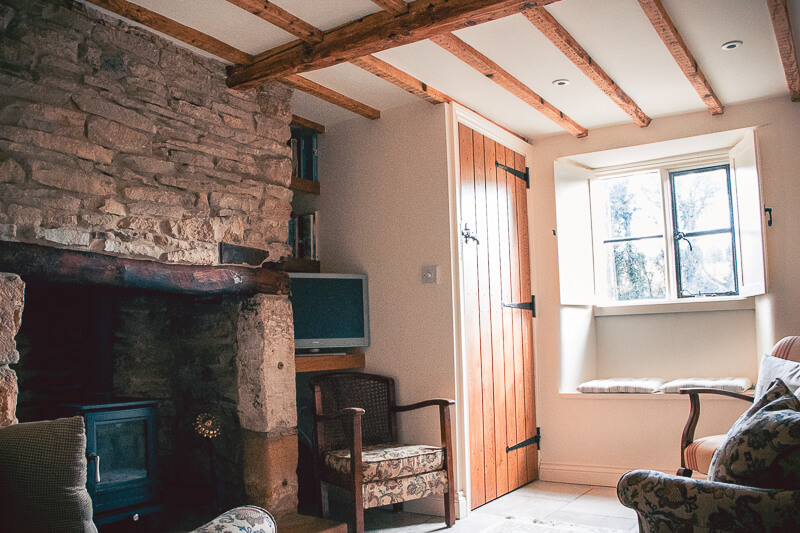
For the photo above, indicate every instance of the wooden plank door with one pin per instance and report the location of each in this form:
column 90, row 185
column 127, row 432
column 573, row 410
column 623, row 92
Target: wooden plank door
column 498, row 338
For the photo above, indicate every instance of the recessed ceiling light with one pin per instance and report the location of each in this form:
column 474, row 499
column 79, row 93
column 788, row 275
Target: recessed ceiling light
column 560, row 83
column 732, row 45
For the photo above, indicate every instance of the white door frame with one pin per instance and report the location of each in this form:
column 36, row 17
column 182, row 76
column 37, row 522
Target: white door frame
column 455, row 114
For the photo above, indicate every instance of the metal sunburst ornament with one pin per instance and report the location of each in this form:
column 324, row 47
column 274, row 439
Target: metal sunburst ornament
column 207, row 425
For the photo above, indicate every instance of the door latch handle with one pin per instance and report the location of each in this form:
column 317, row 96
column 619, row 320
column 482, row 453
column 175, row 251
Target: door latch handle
column 467, row 234
column 96, row 458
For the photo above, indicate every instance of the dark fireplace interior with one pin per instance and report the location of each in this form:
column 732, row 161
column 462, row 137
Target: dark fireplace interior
column 94, row 345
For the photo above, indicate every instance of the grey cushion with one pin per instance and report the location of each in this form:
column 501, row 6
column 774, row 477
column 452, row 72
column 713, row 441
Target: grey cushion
column 762, row 449
column 43, row 477
column 772, row 368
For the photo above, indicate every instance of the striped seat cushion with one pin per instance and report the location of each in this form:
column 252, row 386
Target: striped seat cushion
column 621, row 385
column 699, row 453
column 728, row 384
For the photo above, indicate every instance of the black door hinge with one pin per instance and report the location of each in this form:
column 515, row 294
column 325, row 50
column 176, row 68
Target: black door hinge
column 528, row 306
column 537, row 439
column 525, row 176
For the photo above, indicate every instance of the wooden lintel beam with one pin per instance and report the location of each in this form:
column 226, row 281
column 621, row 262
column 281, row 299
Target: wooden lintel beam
column 307, row 86
column 561, row 38
column 779, row 13
column 174, row 29
column 308, row 124
column 281, row 18
column 494, row 72
column 663, row 25
column 392, row 6
column 56, row 265
column 402, row 79
column 371, row 34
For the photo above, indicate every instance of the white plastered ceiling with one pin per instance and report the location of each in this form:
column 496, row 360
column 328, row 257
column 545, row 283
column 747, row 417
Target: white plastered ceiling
column 615, row 33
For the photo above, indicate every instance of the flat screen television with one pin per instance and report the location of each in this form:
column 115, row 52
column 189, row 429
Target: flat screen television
column 330, row 310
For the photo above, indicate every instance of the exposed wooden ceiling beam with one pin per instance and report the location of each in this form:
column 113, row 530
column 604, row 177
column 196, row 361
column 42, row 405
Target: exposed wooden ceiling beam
column 494, row 72
column 779, row 13
column 371, row 34
column 663, row 25
column 307, row 86
column 281, row 18
column 392, row 6
column 561, row 38
column 174, row 29
column 402, row 79
column 306, row 123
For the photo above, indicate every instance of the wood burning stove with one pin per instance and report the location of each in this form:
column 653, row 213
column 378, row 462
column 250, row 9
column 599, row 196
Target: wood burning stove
column 121, row 450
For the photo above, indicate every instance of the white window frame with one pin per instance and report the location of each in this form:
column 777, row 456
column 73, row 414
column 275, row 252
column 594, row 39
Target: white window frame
column 579, row 274
column 664, row 169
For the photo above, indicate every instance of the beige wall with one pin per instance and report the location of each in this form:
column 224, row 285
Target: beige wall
column 606, row 436
column 384, row 211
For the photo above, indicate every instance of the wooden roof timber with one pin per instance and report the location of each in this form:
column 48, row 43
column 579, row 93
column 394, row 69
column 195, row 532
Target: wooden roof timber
column 304, row 84
column 174, row 29
column 561, row 38
column 396, row 7
column 281, row 18
column 663, row 25
column 402, row 79
column 371, row 34
column 213, row 46
column 494, row 72
column 779, row 13
column 416, row 87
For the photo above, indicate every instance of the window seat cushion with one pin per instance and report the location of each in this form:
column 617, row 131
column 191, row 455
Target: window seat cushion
column 728, row 384
column 621, row 385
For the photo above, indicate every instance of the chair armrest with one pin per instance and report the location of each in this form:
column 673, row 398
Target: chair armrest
column 245, row 518
column 720, row 392
column 673, row 503
column 687, row 437
column 348, row 412
column 427, row 403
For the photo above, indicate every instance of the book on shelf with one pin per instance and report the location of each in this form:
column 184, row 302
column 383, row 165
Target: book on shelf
column 303, row 236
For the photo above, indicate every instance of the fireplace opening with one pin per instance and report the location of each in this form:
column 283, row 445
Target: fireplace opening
column 85, row 348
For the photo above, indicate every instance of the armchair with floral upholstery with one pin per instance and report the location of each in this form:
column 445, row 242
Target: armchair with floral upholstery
column 753, row 484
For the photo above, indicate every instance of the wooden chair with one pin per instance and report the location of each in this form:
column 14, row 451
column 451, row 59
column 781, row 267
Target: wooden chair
column 696, row 454
column 356, row 446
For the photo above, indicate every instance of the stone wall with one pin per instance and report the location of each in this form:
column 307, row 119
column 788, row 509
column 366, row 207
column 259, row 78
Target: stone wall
column 12, row 291
column 115, row 140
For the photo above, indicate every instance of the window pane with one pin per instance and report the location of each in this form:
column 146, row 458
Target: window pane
column 707, row 267
column 633, row 206
column 636, row 270
column 701, row 200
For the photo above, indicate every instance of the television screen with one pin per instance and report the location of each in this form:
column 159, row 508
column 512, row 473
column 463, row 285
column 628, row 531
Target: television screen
column 330, row 310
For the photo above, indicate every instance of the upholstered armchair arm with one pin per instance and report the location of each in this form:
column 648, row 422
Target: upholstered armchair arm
column 687, row 437
column 246, row 518
column 667, row 503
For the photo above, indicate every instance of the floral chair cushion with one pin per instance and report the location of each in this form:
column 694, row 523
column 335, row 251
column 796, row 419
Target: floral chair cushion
column 389, row 461
column 388, row 491
column 248, row 518
column 762, row 449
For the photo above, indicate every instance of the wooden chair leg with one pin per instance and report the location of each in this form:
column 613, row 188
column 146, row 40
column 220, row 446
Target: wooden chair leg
column 450, row 508
column 358, row 513
column 324, row 503
column 684, row 472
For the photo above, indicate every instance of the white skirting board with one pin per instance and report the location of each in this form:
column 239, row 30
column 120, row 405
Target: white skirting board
column 603, row 476
column 434, row 505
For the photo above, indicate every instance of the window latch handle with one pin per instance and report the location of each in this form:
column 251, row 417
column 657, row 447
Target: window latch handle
column 682, row 236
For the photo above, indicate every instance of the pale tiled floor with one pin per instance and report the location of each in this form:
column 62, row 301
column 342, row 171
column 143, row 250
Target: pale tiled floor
column 584, row 505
